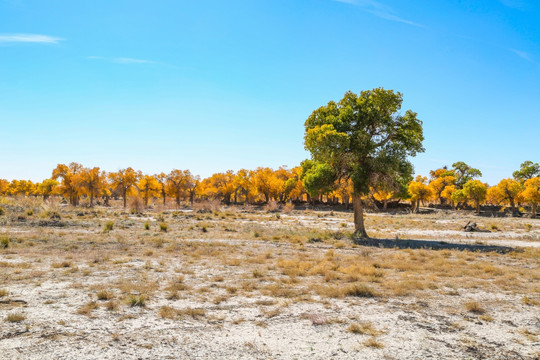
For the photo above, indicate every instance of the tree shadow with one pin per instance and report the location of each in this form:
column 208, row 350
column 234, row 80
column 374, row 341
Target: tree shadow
column 432, row 245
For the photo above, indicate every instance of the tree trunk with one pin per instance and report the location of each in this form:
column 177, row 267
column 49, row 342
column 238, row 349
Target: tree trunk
column 125, row 198
column 513, row 205
column 533, row 215
column 477, row 207
column 359, row 229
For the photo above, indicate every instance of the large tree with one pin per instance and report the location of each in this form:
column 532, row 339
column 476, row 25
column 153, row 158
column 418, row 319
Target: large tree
column 364, row 137
column 123, row 181
column 464, row 173
column 527, row 170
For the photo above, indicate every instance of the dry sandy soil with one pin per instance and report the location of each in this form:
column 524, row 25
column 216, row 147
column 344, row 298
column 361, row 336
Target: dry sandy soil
column 242, row 283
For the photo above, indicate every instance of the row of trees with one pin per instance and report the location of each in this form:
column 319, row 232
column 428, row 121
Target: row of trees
column 456, row 186
column 74, row 181
column 459, row 186
column 360, row 148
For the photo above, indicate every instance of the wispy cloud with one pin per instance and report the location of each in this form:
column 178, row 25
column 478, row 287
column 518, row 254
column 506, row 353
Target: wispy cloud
column 29, row 38
column 380, row 10
column 522, row 54
column 132, row 61
column 123, row 60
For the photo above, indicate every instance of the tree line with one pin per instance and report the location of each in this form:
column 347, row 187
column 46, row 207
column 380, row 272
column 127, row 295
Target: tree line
column 457, row 187
column 360, row 148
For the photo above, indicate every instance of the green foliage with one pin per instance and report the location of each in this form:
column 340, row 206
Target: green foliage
column 163, row 227
column 363, row 137
column 528, row 170
column 4, row 242
column 109, row 225
column 318, row 177
column 476, row 191
column 464, row 173
column 459, row 196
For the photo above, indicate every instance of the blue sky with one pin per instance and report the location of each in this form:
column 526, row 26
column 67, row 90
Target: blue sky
column 217, row 85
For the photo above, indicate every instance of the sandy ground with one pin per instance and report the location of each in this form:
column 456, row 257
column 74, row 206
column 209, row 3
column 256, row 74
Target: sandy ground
column 430, row 324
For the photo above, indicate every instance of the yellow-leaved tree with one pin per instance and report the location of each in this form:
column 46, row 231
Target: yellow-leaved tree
column 162, row 180
column 67, row 188
column 149, row 187
column 123, row 182
column 47, row 187
column 476, row 191
column 506, row 192
column 531, row 194
column 419, row 191
column 441, row 179
column 89, row 182
column 220, row 185
column 181, row 184
column 4, row 185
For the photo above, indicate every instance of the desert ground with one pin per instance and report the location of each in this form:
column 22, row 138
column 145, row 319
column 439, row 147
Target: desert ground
column 243, row 282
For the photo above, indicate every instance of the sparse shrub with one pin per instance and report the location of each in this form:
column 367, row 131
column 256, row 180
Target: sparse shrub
column 528, row 227
column 531, row 302
column 207, row 206
column 147, row 225
column 112, row 305
column 167, row 312
column 364, row 328
column 372, row 342
column 136, row 205
column 158, row 243
column 4, row 242
column 3, row 292
column 63, row 264
column 109, row 225
column 29, row 212
column 494, row 227
column 87, row 308
column 288, row 208
column 136, row 300
column 104, row 295
column 192, row 312
column 163, row 227
column 360, row 290
column 2, row 211
column 15, row 317
column 204, row 228
column 272, row 206
column 474, row 307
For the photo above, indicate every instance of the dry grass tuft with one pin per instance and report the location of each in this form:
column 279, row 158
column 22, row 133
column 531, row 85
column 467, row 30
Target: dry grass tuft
column 87, row 308
column 167, row 312
column 474, row 307
column 372, row 342
column 136, row 300
column 194, row 313
column 63, row 264
column 105, row 295
column 15, row 317
column 364, row 328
